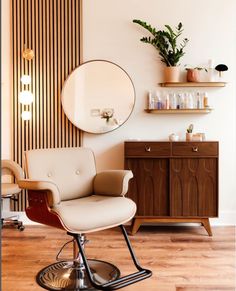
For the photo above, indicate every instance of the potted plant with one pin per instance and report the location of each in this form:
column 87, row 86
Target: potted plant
column 189, row 133
column 165, row 42
column 193, row 74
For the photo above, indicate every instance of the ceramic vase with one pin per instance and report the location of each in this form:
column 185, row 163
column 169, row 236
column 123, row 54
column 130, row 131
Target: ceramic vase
column 171, row 74
column 189, row 136
column 193, row 75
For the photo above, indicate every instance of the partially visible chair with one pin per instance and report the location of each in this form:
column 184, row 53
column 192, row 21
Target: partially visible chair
column 65, row 191
column 11, row 191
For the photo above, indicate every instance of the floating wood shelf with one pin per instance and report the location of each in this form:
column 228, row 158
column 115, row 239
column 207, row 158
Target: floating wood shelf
column 193, row 84
column 179, row 111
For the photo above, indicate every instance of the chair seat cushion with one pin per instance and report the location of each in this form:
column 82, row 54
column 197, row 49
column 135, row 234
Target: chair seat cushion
column 94, row 213
column 9, row 189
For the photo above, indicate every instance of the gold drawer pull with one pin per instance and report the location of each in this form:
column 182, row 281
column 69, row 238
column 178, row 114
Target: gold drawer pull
column 195, row 149
column 147, row 148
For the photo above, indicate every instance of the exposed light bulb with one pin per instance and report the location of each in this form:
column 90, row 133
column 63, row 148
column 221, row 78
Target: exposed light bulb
column 26, row 97
column 26, row 115
column 25, row 79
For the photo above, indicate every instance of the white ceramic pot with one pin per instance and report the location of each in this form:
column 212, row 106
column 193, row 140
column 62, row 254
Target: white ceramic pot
column 173, row 137
column 171, row 74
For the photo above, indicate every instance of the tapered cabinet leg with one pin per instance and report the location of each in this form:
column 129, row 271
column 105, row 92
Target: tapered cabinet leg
column 207, row 226
column 136, row 224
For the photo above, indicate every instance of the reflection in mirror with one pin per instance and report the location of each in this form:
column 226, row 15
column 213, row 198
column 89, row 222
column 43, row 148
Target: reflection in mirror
column 98, row 96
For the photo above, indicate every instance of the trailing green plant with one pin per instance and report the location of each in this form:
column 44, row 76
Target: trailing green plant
column 165, row 41
column 190, row 128
column 196, row 68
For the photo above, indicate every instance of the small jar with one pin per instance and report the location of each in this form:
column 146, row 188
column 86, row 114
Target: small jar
column 189, row 136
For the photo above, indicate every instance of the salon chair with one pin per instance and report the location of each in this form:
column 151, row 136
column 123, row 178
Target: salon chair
column 66, row 192
column 11, row 191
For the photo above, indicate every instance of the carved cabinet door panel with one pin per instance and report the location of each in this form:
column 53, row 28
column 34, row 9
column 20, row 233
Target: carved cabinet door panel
column 150, row 186
column 193, row 187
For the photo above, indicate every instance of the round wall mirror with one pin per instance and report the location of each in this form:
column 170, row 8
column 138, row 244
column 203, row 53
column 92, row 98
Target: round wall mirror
column 98, row 96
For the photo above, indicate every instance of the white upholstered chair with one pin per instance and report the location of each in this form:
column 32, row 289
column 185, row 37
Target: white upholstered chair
column 65, row 191
column 10, row 190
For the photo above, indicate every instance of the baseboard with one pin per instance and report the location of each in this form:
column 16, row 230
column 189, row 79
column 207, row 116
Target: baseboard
column 225, row 218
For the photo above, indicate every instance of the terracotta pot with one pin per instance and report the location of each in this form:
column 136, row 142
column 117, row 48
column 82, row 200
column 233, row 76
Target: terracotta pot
column 189, row 136
column 171, row 74
column 193, row 75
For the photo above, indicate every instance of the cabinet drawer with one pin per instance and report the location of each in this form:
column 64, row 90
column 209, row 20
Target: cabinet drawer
column 195, row 149
column 147, row 149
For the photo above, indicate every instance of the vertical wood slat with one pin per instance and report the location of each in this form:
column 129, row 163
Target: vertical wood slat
column 52, row 30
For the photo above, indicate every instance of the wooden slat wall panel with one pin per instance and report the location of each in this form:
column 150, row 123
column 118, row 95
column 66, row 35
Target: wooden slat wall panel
column 52, row 29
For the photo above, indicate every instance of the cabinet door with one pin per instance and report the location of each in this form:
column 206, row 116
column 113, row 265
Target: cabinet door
column 193, row 187
column 150, row 186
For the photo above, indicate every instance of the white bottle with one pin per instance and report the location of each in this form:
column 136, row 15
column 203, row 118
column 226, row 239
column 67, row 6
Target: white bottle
column 173, row 101
column 150, row 101
column 167, row 102
column 190, row 101
column 181, row 101
column 178, row 100
column 198, row 100
column 211, row 71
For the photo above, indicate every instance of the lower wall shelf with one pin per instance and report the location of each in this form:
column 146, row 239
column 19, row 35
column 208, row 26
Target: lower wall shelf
column 179, row 111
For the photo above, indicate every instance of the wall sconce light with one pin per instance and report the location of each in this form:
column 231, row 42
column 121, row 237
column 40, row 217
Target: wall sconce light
column 25, row 79
column 26, row 115
column 25, row 97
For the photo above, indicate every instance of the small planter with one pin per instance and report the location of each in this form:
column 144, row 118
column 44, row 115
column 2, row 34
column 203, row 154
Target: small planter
column 193, row 75
column 189, row 136
column 171, row 74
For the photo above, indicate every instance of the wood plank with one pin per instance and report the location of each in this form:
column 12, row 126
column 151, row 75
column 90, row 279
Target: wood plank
column 181, row 258
column 52, row 30
column 193, row 84
column 179, row 111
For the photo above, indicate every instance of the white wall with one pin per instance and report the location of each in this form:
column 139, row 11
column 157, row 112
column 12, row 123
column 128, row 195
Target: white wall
column 110, row 34
column 211, row 28
column 6, row 99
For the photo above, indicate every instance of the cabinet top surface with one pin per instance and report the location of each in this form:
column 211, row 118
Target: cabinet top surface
column 168, row 149
column 167, row 141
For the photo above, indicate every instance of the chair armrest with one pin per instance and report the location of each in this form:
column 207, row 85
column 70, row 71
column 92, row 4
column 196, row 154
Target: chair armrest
column 112, row 182
column 53, row 193
column 14, row 168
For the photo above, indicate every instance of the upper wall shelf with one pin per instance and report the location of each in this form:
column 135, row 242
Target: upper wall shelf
column 193, row 84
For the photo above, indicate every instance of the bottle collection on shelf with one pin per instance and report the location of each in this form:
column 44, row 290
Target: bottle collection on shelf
column 186, row 100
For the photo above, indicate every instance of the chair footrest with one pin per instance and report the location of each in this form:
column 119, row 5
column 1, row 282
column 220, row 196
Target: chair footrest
column 119, row 282
column 126, row 280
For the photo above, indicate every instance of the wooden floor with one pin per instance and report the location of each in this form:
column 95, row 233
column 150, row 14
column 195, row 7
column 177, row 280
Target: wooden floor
column 181, row 258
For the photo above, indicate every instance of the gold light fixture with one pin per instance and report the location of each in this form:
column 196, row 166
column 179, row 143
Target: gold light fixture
column 28, row 54
column 25, row 96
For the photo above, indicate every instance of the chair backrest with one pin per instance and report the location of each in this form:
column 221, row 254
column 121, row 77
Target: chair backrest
column 71, row 169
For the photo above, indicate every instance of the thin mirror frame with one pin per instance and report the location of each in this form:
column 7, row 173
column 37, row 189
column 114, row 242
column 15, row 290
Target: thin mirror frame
column 82, row 65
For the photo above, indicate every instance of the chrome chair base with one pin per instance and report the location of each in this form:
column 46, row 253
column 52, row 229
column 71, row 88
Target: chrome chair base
column 66, row 275
column 10, row 221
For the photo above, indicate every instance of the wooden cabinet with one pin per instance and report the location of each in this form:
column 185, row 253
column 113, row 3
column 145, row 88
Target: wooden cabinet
column 173, row 181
